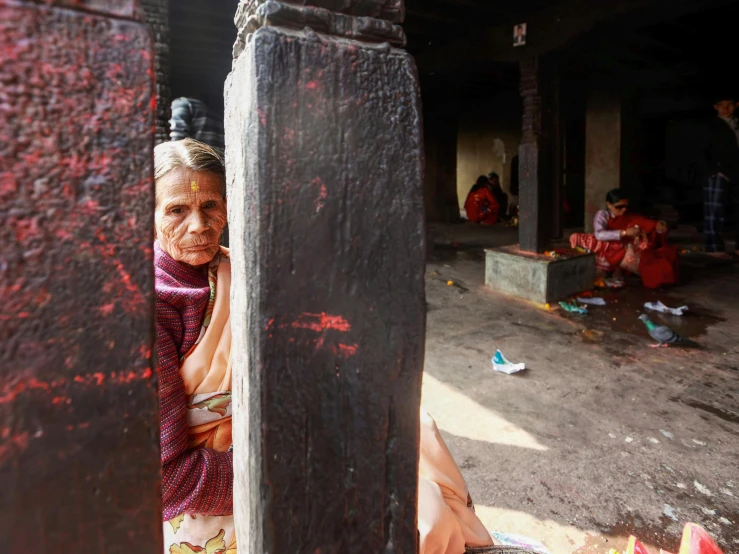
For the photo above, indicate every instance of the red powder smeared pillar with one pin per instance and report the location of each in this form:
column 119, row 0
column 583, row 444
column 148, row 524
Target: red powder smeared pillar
column 78, row 406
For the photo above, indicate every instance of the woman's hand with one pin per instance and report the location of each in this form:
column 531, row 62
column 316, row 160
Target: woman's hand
column 662, row 227
column 631, row 232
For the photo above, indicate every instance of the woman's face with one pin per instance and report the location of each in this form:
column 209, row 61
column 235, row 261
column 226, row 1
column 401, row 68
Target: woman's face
column 190, row 215
column 619, row 208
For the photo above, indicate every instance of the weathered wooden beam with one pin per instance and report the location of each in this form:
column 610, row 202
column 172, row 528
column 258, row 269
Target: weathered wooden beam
column 557, row 145
column 79, row 412
column 325, row 169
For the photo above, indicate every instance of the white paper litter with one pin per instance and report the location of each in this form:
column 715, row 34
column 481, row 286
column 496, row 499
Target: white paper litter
column 660, row 307
column 502, row 364
column 592, row 301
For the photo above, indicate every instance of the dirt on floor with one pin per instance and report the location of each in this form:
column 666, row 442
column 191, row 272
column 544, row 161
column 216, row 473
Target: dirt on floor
column 601, row 436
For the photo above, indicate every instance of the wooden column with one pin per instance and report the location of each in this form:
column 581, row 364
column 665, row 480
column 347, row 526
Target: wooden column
column 325, row 170
column 557, row 153
column 156, row 14
column 535, row 183
column 79, row 413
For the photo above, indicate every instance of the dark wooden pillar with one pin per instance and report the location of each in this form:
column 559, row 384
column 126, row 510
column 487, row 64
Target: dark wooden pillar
column 557, row 153
column 535, row 182
column 79, row 440
column 324, row 154
column 156, row 13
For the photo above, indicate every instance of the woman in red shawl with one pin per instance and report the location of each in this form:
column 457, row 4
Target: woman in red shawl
column 481, row 206
column 630, row 242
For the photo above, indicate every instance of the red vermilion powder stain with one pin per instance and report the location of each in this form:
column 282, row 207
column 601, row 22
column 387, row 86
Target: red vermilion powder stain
column 321, row 322
column 348, row 350
column 19, row 442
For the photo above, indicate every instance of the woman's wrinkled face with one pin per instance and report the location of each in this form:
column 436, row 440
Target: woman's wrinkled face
column 190, row 215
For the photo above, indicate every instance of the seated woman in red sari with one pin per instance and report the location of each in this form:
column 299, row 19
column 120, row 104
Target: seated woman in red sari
column 628, row 242
column 481, row 206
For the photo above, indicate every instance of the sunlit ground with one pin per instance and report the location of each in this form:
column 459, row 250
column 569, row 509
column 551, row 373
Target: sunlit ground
column 459, row 415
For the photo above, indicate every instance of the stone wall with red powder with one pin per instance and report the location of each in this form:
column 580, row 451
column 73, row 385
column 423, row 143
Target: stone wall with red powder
column 79, row 447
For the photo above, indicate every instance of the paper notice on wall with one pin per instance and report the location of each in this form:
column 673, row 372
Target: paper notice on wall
column 519, row 34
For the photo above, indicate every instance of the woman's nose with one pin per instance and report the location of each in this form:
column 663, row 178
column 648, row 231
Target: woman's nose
column 197, row 223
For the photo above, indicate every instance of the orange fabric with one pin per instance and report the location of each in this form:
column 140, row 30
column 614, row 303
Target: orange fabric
column 446, row 521
column 481, row 206
column 207, row 367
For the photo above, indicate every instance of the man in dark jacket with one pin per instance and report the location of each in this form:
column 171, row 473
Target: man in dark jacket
column 192, row 118
column 721, row 159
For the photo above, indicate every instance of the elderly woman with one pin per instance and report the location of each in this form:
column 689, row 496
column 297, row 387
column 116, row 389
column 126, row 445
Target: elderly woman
column 194, row 346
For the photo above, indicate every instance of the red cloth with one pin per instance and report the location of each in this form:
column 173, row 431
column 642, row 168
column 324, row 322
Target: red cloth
column 200, row 480
column 658, row 261
column 608, row 254
column 481, row 206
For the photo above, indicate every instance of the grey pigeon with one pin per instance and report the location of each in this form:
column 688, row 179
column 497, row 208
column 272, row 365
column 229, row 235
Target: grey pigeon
column 664, row 335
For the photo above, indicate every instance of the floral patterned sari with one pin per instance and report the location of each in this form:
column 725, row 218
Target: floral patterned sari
column 206, row 371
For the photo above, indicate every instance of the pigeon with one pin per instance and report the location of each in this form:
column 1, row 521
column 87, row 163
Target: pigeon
column 664, row 335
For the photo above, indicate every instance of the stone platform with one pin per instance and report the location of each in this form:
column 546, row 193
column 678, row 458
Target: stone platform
column 537, row 277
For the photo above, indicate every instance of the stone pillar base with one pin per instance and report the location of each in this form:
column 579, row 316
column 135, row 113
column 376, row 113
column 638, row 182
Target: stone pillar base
column 536, row 277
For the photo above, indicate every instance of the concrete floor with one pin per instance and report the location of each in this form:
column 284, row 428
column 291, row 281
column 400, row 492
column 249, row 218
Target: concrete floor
column 601, row 436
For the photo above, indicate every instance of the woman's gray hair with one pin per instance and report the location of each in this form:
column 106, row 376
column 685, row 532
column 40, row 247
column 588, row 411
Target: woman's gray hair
column 188, row 154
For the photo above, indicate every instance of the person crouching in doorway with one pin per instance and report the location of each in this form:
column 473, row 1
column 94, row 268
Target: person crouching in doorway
column 481, row 205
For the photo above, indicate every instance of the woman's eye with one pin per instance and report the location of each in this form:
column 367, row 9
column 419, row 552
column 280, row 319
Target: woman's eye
column 210, row 205
column 176, row 211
